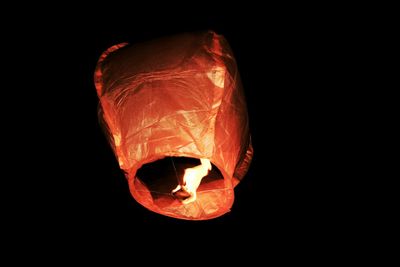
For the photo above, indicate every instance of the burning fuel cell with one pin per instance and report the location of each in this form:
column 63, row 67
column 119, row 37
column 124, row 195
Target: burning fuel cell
column 191, row 181
column 176, row 97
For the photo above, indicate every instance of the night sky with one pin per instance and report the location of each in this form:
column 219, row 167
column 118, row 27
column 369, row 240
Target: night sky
column 282, row 62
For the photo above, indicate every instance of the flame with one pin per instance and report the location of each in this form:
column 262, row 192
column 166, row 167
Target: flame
column 192, row 179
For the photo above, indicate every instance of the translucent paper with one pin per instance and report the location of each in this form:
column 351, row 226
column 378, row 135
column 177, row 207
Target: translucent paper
column 179, row 96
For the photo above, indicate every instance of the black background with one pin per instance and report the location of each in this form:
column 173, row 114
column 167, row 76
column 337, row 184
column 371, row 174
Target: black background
column 288, row 64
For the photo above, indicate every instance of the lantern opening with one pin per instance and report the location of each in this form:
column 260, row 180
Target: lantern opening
column 161, row 177
column 156, row 181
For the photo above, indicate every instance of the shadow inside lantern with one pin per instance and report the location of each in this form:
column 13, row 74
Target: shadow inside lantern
column 161, row 177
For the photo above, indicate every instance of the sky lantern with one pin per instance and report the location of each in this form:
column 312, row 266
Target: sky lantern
column 175, row 115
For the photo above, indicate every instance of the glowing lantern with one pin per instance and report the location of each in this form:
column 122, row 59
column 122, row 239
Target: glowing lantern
column 177, row 97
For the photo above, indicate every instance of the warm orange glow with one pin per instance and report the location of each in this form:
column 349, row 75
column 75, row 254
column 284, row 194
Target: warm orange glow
column 178, row 96
column 192, row 180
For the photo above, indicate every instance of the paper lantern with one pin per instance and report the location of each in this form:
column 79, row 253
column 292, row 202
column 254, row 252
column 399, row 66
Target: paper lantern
column 173, row 99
